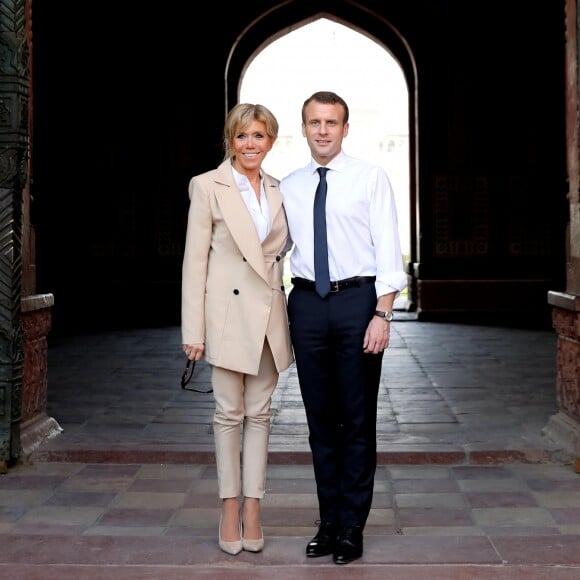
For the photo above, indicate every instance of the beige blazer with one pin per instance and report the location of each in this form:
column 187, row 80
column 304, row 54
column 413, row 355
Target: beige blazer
column 232, row 290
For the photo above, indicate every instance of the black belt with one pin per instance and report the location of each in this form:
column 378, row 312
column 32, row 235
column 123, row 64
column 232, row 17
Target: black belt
column 337, row 285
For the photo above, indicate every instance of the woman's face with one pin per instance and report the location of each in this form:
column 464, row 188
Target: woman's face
column 250, row 146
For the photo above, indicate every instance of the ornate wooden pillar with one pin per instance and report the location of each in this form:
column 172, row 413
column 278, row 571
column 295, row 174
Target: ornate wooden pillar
column 24, row 318
column 565, row 425
column 14, row 71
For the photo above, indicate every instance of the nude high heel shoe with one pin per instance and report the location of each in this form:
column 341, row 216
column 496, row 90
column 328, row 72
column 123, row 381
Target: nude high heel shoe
column 234, row 547
column 248, row 544
column 253, row 545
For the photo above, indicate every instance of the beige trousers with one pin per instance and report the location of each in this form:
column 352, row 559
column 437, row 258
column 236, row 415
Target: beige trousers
column 242, row 417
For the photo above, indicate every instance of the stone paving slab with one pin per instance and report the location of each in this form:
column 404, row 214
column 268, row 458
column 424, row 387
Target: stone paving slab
column 139, row 520
column 449, row 393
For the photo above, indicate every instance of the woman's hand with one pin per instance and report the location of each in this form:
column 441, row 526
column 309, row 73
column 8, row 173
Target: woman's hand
column 194, row 351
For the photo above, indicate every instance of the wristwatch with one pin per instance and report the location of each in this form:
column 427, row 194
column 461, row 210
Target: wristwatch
column 388, row 316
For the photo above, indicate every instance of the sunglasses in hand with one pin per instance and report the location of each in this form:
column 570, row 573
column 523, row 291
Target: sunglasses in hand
column 186, row 378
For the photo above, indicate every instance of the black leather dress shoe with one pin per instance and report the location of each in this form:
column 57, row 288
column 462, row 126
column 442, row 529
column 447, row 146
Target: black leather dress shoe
column 349, row 545
column 324, row 542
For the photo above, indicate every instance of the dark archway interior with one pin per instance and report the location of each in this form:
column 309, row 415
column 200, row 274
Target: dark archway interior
column 129, row 103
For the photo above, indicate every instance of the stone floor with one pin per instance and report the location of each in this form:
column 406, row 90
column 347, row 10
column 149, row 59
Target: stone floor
column 468, row 485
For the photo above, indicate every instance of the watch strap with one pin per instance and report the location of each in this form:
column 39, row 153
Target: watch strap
column 388, row 316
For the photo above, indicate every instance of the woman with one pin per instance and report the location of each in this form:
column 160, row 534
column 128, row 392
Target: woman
column 234, row 312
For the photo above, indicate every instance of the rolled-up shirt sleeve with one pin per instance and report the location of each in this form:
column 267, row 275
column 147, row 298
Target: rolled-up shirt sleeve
column 391, row 276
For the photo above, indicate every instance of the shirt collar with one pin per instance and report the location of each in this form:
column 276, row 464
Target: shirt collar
column 242, row 181
column 337, row 164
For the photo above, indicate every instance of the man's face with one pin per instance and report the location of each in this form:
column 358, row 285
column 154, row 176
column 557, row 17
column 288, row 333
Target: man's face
column 324, row 130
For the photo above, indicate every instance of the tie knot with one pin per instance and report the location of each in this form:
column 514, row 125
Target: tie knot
column 322, row 171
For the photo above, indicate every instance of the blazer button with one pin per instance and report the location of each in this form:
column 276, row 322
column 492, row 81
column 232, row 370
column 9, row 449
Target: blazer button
column 282, row 288
column 236, row 291
column 244, row 258
column 278, row 258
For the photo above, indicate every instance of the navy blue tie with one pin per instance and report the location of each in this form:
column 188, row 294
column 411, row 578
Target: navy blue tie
column 321, row 275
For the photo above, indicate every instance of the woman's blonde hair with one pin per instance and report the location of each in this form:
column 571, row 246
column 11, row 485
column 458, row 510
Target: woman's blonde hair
column 239, row 119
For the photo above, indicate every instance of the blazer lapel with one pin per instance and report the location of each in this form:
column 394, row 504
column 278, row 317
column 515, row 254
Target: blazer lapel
column 274, row 197
column 237, row 218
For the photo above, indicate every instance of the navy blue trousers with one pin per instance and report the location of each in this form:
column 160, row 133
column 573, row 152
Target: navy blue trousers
column 339, row 384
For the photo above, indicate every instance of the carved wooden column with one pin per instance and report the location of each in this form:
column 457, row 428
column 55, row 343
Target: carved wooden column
column 565, row 425
column 24, row 316
column 14, row 129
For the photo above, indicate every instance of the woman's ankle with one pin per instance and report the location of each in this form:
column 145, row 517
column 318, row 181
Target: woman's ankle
column 230, row 519
column 251, row 518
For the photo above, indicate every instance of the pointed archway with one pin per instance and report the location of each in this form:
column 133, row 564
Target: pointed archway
column 325, row 54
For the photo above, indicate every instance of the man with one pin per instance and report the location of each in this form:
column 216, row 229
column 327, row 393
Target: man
column 339, row 333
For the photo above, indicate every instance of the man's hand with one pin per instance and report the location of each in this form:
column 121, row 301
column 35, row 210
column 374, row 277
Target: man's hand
column 377, row 336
